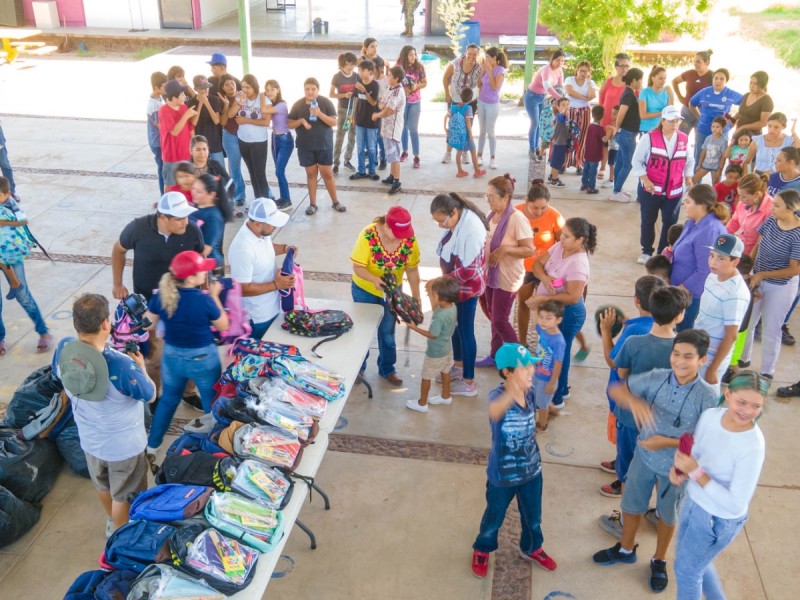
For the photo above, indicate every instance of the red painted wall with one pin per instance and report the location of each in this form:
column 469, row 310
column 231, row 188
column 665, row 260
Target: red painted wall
column 503, row 17
column 69, row 10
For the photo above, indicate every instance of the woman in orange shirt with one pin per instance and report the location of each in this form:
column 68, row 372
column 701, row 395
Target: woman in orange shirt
column 546, row 223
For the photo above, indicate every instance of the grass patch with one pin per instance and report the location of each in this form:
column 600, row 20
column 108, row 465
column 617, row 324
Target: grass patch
column 783, row 11
column 146, row 52
column 777, row 27
column 786, row 43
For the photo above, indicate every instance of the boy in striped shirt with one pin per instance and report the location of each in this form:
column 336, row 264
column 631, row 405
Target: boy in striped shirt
column 722, row 305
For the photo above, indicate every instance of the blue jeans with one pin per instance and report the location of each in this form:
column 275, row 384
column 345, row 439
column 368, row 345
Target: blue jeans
column 282, row 148
column 411, row 126
column 529, row 502
column 178, row 366
column 218, row 157
column 156, row 150
column 689, row 316
column 387, row 348
column 699, row 138
column 230, row 142
column 574, row 318
column 465, row 347
column 701, row 538
column 26, row 301
column 533, row 104
column 791, row 310
column 650, row 205
column 381, row 149
column 589, row 176
column 257, row 330
column 622, row 165
column 367, row 141
column 626, row 444
column 5, row 164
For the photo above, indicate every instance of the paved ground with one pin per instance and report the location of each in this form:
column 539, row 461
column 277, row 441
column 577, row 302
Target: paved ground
column 407, row 489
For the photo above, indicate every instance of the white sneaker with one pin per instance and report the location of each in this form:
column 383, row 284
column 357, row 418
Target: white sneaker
column 462, row 388
column 628, row 195
column 480, row 161
column 642, row 260
column 110, row 529
column 607, row 184
column 439, row 400
column 619, row 197
column 415, row 405
column 492, row 164
column 448, row 156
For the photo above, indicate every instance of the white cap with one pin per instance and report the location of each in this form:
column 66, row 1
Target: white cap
column 264, row 210
column 175, row 204
column 670, row 113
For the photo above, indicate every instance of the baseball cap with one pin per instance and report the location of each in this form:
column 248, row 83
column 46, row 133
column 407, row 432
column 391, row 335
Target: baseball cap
column 175, row 204
column 174, row 88
column 83, row 371
column 264, row 210
column 670, row 113
column 509, row 356
column 189, row 262
column 728, row 244
column 218, row 58
column 398, row 219
column 201, row 83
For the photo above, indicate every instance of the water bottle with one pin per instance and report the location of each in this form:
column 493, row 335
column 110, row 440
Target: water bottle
column 314, row 104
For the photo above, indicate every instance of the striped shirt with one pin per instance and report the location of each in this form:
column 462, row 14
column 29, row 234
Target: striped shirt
column 776, row 248
column 723, row 303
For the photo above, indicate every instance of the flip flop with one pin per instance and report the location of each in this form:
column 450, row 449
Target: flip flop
column 339, row 207
column 581, row 354
column 45, row 341
column 462, row 174
column 312, row 209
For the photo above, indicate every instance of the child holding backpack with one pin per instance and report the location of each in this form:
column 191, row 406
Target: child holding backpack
column 458, row 126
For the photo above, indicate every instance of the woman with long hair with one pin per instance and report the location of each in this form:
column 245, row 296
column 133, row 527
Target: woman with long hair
column 495, row 64
column 754, row 207
column 213, row 211
column 654, row 98
column 696, row 79
column 230, row 138
column 580, row 90
column 543, row 84
column 414, row 81
column 249, row 110
column 627, row 129
column 282, row 140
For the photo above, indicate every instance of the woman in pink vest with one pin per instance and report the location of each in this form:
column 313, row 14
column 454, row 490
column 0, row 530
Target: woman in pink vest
column 664, row 168
column 544, row 83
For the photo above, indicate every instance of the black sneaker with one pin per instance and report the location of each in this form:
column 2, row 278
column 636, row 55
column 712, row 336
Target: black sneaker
column 283, row 204
column 335, row 169
column 658, row 575
column 789, row 391
column 729, row 373
column 374, row 176
column 349, row 166
column 743, row 364
column 382, row 166
column 193, row 401
column 389, row 180
column 611, row 556
column 395, row 189
column 358, row 175
column 787, row 339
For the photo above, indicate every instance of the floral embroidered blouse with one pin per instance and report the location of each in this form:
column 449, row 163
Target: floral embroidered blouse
column 369, row 252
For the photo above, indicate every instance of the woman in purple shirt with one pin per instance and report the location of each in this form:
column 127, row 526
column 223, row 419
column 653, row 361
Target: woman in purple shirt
column 704, row 224
column 282, row 140
column 490, row 84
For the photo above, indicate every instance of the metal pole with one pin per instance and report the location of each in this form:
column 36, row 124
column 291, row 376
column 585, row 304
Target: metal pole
column 245, row 40
column 533, row 15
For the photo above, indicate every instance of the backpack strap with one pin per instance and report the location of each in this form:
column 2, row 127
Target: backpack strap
column 327, row 339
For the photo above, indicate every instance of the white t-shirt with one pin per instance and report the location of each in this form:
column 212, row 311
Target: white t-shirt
column 723, row 303
column 581, row 89
column 252, row 260
column 732, row 460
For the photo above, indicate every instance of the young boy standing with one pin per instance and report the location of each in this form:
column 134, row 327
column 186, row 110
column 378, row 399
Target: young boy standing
column 155, row 102
column 666, row 403
column 443, row 292
column 515, row 465
column 611, row 150
column 728, row 189
column 559, row 142
column 366, row 129
column 723, row 305
column 593, row 155
column 550, row 352
column 175, row 128
column 343, row 87
column 379, row 73
column 714, row 147
column 392, row 105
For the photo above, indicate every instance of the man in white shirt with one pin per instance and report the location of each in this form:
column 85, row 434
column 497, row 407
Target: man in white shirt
column 252, row 257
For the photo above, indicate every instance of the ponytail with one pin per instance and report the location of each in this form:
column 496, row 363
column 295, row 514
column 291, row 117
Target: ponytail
column 538, row 191
column 213, row 185
column 721, row 211
column 168, row 293
column 581, row 228
column 447, row 203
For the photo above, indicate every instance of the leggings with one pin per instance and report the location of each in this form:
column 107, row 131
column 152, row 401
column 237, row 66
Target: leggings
column 487, row 115
column 496, row 305
column 254, row 155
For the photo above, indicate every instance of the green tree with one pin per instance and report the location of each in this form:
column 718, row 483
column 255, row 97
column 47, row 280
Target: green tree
column 454, row 13
column 599, row 29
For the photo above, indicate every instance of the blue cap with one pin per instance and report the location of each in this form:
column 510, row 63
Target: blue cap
column 218, row 58
column 510, row 356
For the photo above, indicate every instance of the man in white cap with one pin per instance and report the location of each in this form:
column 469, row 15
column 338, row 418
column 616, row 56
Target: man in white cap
column 155, row 240
column 252, row 256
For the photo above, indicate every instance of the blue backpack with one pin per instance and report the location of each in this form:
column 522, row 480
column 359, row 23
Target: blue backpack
column 170, row 502
column 101, row 585
column 457, row 134
column 136, row 545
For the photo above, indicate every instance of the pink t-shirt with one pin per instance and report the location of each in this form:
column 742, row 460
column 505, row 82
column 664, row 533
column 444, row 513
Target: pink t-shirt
column 572, row 268
column 610, row 95
column 545, row 79
column 512, row 270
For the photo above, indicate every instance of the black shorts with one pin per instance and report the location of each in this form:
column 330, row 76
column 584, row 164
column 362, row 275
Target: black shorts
column 530, row 278
column 309, row 158
column 612, row 157
column 558, row 155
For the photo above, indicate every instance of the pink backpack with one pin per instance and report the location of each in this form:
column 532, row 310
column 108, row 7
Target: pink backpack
column 124, row 331
column 238, row 319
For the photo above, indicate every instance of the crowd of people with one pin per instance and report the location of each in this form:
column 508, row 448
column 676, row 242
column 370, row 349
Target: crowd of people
column 726, row 277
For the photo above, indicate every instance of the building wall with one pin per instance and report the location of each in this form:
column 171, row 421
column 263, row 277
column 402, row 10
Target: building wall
column 502, row 17
column 215, row 9
column 117, row 13
column 69, row 11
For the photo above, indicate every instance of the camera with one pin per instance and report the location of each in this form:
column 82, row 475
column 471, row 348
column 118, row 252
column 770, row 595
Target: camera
column 135, row 306
column 131, row 347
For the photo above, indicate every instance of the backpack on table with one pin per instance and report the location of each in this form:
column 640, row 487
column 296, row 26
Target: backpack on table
column 101, row 585
column 163, row 582
column 136, row 545
column 170, row 502
column 198, row 468
column 257, row 525
column 330, row 324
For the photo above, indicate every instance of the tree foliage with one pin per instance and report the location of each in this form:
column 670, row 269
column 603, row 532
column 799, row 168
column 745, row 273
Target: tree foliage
column 453, row 14
column 592, row 28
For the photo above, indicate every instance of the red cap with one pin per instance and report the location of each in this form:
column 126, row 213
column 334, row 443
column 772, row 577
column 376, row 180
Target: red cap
column 189, row 263
column 399, row 221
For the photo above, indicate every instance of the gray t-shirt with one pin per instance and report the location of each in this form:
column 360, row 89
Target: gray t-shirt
column 714, row 151
column 443, row 324
column 641, row 353
column 676, row 410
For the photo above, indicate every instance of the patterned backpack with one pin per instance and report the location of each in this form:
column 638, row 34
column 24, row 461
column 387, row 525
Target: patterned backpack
column 457, row 135
column 124, row 331
column 401, row 305
column 238, row 320
column 330, row 324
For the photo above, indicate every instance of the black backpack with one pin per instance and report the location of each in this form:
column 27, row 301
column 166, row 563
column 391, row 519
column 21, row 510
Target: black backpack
column 319, row 323
column 198, row 468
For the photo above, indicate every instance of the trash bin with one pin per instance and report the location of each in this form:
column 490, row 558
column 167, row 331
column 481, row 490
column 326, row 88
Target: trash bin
column 12, row 13
column 471, row 34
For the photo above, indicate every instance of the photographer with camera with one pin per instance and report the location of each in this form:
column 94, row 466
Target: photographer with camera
column 107, row 390
column 189, row 350
column 155, row 240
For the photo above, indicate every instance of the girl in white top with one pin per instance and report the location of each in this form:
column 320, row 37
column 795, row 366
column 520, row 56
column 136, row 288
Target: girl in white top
column 722, row 473
column 250, row 108
column 764, row 148
column 580, row 91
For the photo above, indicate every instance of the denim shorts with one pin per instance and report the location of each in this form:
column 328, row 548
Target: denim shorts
column 639, row 486
column 542, row 399
column 612, row 156
column 393, row 150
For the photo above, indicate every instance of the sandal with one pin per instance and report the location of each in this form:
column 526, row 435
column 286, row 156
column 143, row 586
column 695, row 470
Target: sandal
column 462, row 174
column 45, row 342
column 312, row 209
column 581, row 354
column 3, row 348
column 339, row 207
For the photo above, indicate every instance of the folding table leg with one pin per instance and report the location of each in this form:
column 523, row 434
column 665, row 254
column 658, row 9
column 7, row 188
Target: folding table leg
column 309, row 533
column 321, row 493
column 360, row 379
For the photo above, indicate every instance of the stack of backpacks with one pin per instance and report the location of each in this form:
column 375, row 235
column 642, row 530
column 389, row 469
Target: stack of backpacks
column 219, row 496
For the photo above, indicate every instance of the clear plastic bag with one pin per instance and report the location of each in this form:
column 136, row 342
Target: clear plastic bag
column 248, row 515
column 308, row 376
column 261, row 483
column 221, row 557
column 274, row 446
column 277, row 390
column 162, row 582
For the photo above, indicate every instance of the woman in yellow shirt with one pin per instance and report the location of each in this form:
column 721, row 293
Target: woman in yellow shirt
column 387, row 245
